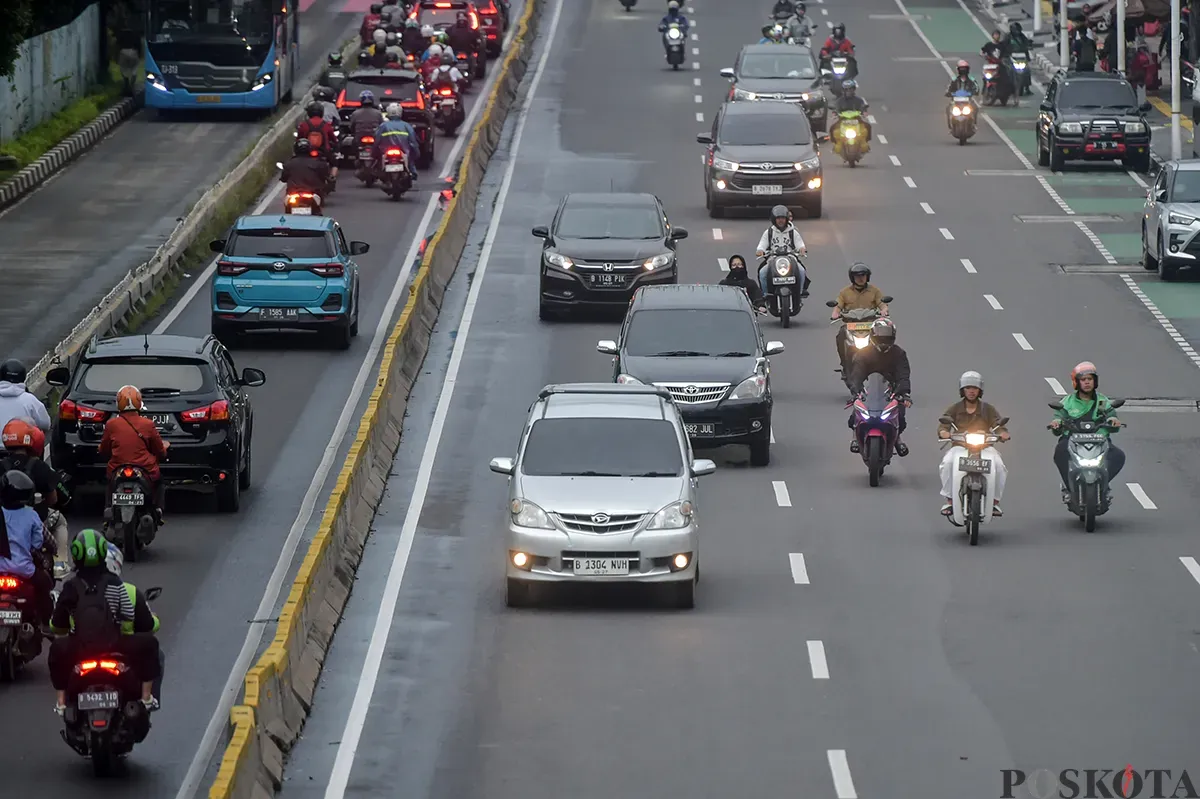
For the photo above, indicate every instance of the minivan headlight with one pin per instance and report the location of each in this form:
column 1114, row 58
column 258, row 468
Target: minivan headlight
column 675, row 516
column 526, row 514
column 1070, row 127
column 752, row 387
column 721, row 163
column 1135, row 127
column 629, row 380
column 742, row 94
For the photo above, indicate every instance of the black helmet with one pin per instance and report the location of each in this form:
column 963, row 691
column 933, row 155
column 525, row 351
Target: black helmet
column 335, row 59
column 301, row 147
column 883, row 333
column 860, row 268
column 376, row 8
column 16, row 489
column 314, row 109
column 393, row 58
column 839, row 31
column 324, row 94
column 1014, row 27
column 13, row 371
column 392, row 39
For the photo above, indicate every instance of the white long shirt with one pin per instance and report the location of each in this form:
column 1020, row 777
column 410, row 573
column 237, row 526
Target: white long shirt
column 789, row 237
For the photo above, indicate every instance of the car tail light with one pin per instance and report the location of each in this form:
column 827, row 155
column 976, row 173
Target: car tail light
column 8, row 583
column 71, row 412
column 217, row 412
column 441, row 5
column 114, row 667
column 328, row 270
column 446, row 92
column 395, row 151
column 474, row 20
column 229, row 269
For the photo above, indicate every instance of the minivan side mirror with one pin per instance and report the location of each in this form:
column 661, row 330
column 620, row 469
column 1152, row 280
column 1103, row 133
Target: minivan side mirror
column 359, row 248
column 702, row 467
column 704, row 138
column 1145, row 108
column 153, row 593
column 542, row 232
column 773, row 348
column 58, row 376
column 887, row 298
column 679, row 233
column 252, row 377
column 501, row 465
column 606, row 346
column 727, row 72
column 216, row 245
column 831, row 304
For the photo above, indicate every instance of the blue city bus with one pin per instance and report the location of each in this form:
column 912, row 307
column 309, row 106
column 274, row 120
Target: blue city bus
column 221, row 53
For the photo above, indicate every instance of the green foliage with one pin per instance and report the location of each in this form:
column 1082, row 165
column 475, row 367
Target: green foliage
column 15, row 19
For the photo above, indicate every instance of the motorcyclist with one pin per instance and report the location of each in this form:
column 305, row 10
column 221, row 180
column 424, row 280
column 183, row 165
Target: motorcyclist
column 773, row 33
column 378, row 42
column 15, row 400
column 673, row 17
column 442, row 38
column 367, row 117
column 306, row 170
column 780, row 232
column 799, row 24
column 783, row 9
column 996, row 52
column 850, row 101
column 838, row 44
column 22, row 538
column 130, row 438
column 972, row 415
column 393, row 47
column 461, row 37
column 738, row 276
column 326, row 97
column 145, row 620
column 860, row 294
column 962, row 82
column 395, row 61
column 1086, row 401
column 334, row 73
column 890, row 360
column 395, row 131
column 443, row 51
column 373, row 18
column 23, row 453
column 447, row 75
column 411, row 39
column 1018, row 42
column 392, row 13
column 88, row 617
column 320, row 135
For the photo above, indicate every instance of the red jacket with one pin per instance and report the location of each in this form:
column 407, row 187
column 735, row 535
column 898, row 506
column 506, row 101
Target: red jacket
column 130, row 438
column 319, row 125
column 845, row 47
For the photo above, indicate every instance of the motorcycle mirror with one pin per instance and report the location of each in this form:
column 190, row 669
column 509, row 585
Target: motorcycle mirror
column 216, row 245
column 153, row 593
column 1003, row 421
column 279, row 165
column 1055, row 405
column 945, row 420
column 1117, row 403
column 887, row 298
column 831, row 304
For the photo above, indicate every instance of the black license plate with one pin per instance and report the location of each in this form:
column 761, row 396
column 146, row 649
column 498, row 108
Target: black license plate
column 979, row 465
column 98, row 700
column 607, row 280
column 701, row 430
column 163, row 421
column 279, row 314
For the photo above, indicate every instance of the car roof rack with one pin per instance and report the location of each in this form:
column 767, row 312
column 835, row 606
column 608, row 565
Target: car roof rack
column 603, row 388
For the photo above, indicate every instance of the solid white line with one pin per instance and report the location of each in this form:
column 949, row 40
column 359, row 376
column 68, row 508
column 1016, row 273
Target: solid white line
column 782, row 498
column 946, row 234
column 927, row 208
column 1138, row 179
column 842, row 781
column 698, row 98
column 992, row 301
column 882, row 138
column 1024, row 342
column 219, row 721
column 699, row 116
column 717, row 233
column 895, row 161
column 348, row 742
column 816, row 659
column 1192, row 566
column 724, row 264
column 1141, row 496
column 912, row 184
column 695, row 81
column 970, row 267
column 1055, row 386
column 799, row 570
column 1162, row 320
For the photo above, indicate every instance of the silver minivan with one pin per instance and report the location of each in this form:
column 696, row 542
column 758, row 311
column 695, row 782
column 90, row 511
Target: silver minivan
column 603, row 490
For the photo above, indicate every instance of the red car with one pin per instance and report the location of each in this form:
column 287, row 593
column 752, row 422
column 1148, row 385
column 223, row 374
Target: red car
column 494, row 20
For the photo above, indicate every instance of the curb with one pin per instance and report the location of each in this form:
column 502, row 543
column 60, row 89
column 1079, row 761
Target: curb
column 66, row 151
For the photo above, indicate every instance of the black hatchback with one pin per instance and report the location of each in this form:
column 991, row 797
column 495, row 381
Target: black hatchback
column 191, row 390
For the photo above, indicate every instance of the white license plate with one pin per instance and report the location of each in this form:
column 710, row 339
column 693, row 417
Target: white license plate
column 10, row 618
column 163, row 420
column 98, row 700
column 365, row 155
column 607, row 280
column 975, row 465
column 768, row 190
column 700, row 430
column 449, row 102
column 602, row 566
column 394, row 168
column 302, row 210
column 128, row 499
column 780, row 281
column 270, row 314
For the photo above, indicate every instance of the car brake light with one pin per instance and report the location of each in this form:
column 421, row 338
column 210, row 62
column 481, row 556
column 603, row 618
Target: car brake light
column 9, row 583
column 229, row 269
column 217, row 412
column 333, row 270
column 70, row 412
column 441, row 5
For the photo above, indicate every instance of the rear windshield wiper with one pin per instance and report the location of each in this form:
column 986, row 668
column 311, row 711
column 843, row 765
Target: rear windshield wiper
column 733, row 354
column 159, row 391
column 282, row 255
column 679, row 354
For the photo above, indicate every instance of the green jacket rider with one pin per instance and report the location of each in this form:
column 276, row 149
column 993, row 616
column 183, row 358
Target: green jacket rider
column 1086, row 402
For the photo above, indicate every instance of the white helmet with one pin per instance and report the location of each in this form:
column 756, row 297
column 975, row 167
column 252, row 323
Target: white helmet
column 427, row 31
column 970, row 380
column 114, row 560
column 395, row 111
column 435, row 49
column 380, row 36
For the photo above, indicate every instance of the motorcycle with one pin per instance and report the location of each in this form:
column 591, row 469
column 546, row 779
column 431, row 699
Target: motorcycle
column 20, row 632
column 448, row 112
column 962, row 116
column 1020, row 65
column 972, row 505
column 851, row 140
column 397, row 177
column 366, row 160
column 673, row 42
column 104, row 716
column 1087, row 472
column 130, row 520
column 993, row 90
column 857, row 323
column 837, row 71
column 466, row 65
column 876, row 412
column 786, row 281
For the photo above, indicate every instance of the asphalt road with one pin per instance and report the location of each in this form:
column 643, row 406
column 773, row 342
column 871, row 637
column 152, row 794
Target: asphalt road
column 214, row 568
column 66, row 245
column 898, row 661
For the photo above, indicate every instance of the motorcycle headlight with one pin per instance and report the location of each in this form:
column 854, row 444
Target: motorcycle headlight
column 559, row 260
column 887, row 414
column 1070, row 127
column 629, row 380
column 1090, row 462
column 850, row 133
column 975, row 439
column 863, row 414
column 752, row 387
column 782, row 266
column 526, row 514
column 861, row 343
column 262, row 82
column 742, row 94
column 675, row 516
column 657, row 262
column 807, row 163
column 966, row 109
column 957, row 111
column 1135, row 127
column 674, row 33
column 728, row 166
column 1180, row 219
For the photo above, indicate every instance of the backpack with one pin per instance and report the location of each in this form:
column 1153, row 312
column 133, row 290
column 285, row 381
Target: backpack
column 96, row 625
column 315, row 134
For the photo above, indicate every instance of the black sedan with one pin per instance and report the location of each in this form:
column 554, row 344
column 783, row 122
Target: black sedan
column 394, row 86
column 779, row 73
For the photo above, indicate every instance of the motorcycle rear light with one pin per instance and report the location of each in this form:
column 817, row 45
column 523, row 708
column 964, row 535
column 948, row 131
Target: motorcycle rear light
column 230, row 269
column 217, row 412
column 128, row 471
column 368, row 139
column 446, row 92
column 70, row 412
column 298, row 196
column 8, row 583
column 395, row 151
column 114, row 667
column 328, row 270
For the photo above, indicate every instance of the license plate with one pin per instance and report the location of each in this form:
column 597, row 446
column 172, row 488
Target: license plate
column 980, row 465
column 779, row 281
column 607, row 279
column 10, row 618
column 163, row 421
column 393, row 168
column 278, row 313
column 98, row 700
column 1105, row 145
column 767, row 189
column 602, row 566
column 700, row 430
column 302, row 210
column 449, row 102
column 209, row 98
column 365, row 155
column 122, row 498
column 859, row 325
column 1087, row 438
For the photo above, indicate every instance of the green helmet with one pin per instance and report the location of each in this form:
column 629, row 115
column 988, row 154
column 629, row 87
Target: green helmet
column 89, row 549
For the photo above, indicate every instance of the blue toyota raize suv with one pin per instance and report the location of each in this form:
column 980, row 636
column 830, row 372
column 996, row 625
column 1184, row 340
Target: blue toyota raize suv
column 284, row 272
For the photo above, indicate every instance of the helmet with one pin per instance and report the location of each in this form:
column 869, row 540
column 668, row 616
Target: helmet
column 839, row 31
column 460, row 19
column 379, row 35
column 441, row 37
column 1082, row 369
column 850, row 84
column 38, row 443
column 323, row 94
column 395, row 111
column 301, row 147
column 16, row 489
column 367, row 98
column 314, row 109
column 883, row 334
column 114, row 560
column 964, row 67
column 427, row 31
column 335, row 59
column 673, row 6
column 780, row 212
column 434, row 50
column 392, row 40
column 89, row 549
column 18, row 434
column 13, row 371
column 376, row 8
column 800, row 7
column 860, row 268
column 411, row 23
column 1014, row 27
column 393, row 57
column 128, row 397
column 970, row 380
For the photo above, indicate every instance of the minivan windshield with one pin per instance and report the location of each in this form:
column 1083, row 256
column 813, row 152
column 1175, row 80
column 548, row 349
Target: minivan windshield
column 771, row 130
column 605, row 447
column 782, row 65
column 1096, row 94
column 678, row 332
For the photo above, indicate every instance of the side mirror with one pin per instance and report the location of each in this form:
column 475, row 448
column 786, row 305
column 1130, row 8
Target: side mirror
column 727, row 72
column 1055, row 405
column 702, row 467
column 1048, row 107
column 58, row 376
column 887, row 298
column 945, row 420
column 704, row 138
column 216, row 245
column 1117, row 403
column 279, row 165
column 822, row 137
column 542, row 232
column 1003, row 421
column 679, row 233
column 153, row 593
column 1160, row 196
column 606, row 346
column 252, row 377
column 831, row 304
column 359, row 247
column 1145, row 108
column 501, row 465
column 773, row 348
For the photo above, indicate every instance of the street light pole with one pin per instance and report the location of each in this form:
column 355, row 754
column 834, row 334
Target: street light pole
column 1176, row 133
column 1121, row 36
column 1064, row 45
column 1037, row 16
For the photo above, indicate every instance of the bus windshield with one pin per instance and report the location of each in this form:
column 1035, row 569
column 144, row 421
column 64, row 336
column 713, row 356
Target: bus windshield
column 219, row 32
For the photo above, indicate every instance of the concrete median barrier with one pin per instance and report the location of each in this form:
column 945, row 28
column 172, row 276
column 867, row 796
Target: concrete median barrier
column 279, row 688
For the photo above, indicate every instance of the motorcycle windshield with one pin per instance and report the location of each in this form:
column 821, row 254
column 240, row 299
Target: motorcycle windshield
column 962, row 96
column 850, row 116
column 877, row 395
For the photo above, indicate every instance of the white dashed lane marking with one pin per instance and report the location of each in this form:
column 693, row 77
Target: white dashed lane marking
column 800, row 571
column 717, row 234
column 1189, row 563
column 816, row 659
column 843, row 783
column 895, row 161
column 1024, row 342
column 970, row 267
column 699, row 118
column 946, row 234
column 695, row 51
column 927, row 208
column 696, row 81
column 724, row 264
column 992, row 301
column 782, row 498
column 871, row 118
column 882, row 138
column 1055, row 386
column 699, row 99
column 912, row 184
column 1141, row 496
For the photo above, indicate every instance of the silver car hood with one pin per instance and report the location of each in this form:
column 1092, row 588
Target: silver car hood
column 1187, row 209
column 611, row 495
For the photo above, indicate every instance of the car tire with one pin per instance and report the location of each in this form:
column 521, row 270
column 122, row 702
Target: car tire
column 354, row 324
column 341, row 336
column 229, row 496
column 1149, row 262
column 1057, row 161
column 517, row 593
column 544, row 312
column 814, row 208
column 1043, row 154
column 683, row 594
column 245, row 474
column 714, row 211
column 760, row 451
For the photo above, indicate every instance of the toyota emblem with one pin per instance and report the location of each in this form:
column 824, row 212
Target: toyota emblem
column 768, row 166
column 279, row 266
column 691, row 390
column 608, row 267
column 779, row 97
column 600, row 518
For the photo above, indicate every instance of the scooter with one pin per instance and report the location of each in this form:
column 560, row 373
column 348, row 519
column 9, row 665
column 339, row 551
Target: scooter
column 1020, row 65
column 858, row 332
column 851, row 140
column 1087, row 471
column 673, row 42
column 837, row 71
column 786, row 277
column 20, row 632
column 448, row 113
column 993, row 90
column 876, row 414
column 962, row 116
column 130, row 520
column 972, row 505
column 397, row 177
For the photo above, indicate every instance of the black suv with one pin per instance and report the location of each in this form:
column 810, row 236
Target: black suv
column 780, row 73
column 703, row 344
column 600, row 248
column 1092, row 116
column 191, row 390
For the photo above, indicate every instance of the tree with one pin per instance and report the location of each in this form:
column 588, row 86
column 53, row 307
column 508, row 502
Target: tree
column 16, row 16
